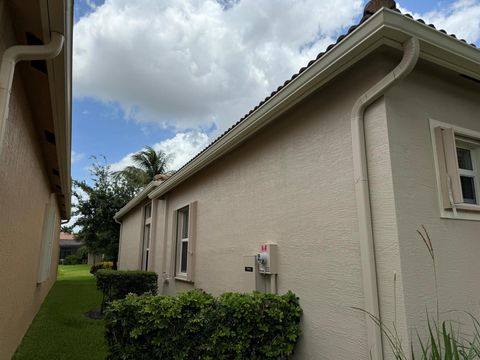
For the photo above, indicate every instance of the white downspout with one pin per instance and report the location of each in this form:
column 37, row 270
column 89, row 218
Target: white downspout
column 411, row 51
column 119, row 241
column 10, row 58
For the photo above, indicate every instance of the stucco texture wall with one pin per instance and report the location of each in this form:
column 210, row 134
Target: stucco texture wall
column 384, row 222
column 430, row 92
column 24, row 192
column 130, row 240
column 291, row 184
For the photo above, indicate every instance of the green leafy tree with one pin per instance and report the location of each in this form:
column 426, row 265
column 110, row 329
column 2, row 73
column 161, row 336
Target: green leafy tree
column 66, row 229
column 147, row 164
column 96, row 207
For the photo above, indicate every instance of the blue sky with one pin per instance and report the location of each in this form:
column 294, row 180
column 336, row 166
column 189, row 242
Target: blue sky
column 173, row 74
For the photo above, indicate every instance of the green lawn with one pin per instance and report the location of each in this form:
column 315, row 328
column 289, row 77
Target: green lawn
column 60, row 330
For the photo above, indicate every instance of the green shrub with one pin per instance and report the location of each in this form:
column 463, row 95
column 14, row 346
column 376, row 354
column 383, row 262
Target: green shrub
column 101, row 265
column 72, row 260
column 255, row 326
column 195, row 325
column 116, row 284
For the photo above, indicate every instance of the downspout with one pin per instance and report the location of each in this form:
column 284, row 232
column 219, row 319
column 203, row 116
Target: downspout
column 153, row 235
column 119, row 243
column 10, row 58
column 411, row 51
column 165, row 274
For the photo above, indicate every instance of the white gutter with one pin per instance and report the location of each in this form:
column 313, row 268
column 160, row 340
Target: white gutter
column 365, row 232
column 142, row 195
column 10, row 58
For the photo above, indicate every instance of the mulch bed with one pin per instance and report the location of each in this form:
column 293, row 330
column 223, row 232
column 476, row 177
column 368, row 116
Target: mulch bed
column 94, row 314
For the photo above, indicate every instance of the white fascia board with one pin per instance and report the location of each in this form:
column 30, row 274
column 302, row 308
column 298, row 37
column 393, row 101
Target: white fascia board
column 142, row 195
column 386, row 27
column 436, row 46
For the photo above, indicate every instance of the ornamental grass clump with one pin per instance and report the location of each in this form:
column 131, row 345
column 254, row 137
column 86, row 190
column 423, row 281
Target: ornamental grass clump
column 196, row 325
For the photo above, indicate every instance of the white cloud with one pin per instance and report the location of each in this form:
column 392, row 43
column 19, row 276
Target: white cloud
column 76, row 156
column 194, row 63
column 182, row 147
column 461, row 18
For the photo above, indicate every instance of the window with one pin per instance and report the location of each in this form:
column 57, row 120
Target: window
column 458, row 155
column 467, row 171
column 185, row 226
column 48, row 234
column 182, row 240
column 147, row 221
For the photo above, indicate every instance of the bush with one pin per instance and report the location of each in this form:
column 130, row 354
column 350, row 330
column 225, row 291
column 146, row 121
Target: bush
column 72, row 260
column 101, row 265
column 195, row 325
column 116, row 284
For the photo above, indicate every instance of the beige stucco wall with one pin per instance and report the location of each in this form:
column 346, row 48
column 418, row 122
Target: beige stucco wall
column 24, row 192
column 431, row 93
column 384, row 220
column 130, row 236
column 291, row 184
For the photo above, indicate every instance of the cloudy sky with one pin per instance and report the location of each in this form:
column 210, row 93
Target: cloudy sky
column 173, row 74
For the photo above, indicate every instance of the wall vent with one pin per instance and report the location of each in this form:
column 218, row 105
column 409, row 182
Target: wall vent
column 470, row 78
column 55, row 172
column 50, row 137
column 40, row 65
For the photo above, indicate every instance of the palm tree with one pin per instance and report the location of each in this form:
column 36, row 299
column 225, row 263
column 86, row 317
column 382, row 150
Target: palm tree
column 147, row 164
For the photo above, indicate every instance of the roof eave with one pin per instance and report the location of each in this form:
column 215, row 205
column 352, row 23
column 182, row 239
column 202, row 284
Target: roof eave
column 141, row 196
column 57, row 16
column 436, row 46
column 386, row 27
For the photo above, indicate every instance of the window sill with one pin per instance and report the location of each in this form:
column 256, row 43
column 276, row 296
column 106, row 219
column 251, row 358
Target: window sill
column 464, row 212
column 468, row 207
column 183, row 279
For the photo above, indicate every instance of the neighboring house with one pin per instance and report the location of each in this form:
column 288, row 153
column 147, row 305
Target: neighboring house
column 35, row 133
column 339, row 167
column 68, row 244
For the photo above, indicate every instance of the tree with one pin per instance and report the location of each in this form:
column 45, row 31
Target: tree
column 147, row 164
column 96, row 206
column 66, row 229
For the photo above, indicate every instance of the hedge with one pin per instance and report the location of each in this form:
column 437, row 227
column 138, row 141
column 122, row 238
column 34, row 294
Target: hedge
column 72, row 260
column 101, row 265
column 195, row 325
column 116, row 284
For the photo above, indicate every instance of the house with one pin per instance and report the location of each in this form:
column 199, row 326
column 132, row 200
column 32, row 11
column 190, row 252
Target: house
column 35, row 133
column 68, row 245
column 327, row 180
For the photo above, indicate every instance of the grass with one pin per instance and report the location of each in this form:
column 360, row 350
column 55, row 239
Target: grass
column 60, row 330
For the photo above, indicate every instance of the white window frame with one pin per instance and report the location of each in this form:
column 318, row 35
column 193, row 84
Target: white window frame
column 50, row 219
column 179, row 241
column 470, row 145
column 460, row 209
column 146, row 242
column 182, row 239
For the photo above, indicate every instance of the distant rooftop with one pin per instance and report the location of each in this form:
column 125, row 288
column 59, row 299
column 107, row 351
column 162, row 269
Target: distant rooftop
column 67, row 236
